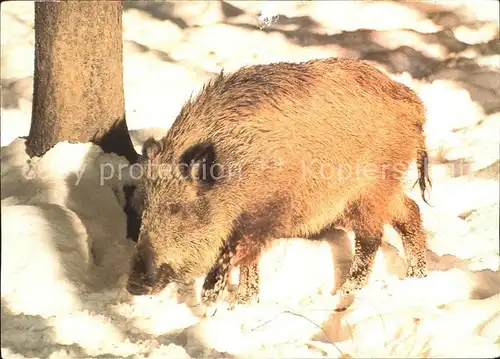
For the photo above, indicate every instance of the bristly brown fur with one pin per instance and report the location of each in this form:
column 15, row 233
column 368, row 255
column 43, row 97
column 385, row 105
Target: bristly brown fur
column 279, row 134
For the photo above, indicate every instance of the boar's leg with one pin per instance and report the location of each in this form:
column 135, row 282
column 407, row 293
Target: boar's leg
column 216, row 280
column 366, row 218
column 248, row 286
column 243, row 252
column 407, row 222
column 365, row 248
column 247, row 258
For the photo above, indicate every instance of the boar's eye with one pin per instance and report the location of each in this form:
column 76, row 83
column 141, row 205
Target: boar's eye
column 198, row 163
column 173, row 208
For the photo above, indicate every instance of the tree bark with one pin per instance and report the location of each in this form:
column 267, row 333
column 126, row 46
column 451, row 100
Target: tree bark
column 78, row 91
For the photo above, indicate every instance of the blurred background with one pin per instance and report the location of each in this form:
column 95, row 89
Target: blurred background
column 448, row 51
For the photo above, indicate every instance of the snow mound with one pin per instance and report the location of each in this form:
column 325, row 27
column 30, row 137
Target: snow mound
column 65, row 258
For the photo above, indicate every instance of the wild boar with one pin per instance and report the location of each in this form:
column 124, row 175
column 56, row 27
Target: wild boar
column 275, row 151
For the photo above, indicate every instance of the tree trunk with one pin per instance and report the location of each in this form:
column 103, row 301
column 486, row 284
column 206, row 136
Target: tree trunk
column 78, row 91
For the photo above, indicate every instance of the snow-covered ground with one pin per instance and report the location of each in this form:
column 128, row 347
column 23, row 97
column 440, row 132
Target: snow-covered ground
column 65, row 254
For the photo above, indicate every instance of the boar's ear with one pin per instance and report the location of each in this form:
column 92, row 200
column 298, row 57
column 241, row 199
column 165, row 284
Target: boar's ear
column 151, row 148
column 197, row 163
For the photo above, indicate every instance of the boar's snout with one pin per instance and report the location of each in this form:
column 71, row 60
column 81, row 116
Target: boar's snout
column 141, row 276
column 135, row 288
column 145, row 277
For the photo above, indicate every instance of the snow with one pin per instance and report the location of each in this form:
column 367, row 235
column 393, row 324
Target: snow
column 65, row 259
column 65, row 254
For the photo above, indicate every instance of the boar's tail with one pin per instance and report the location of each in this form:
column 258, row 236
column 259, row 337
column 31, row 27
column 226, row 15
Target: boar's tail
column 423, row 180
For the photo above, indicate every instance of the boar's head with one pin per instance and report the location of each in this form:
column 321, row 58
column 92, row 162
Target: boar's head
column 184, row 224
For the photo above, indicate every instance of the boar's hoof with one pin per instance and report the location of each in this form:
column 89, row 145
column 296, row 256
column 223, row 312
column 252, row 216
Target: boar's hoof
column 242, row 297
column 350, row 287
column 210, row 297
column 210, row 310
column 345, row 295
